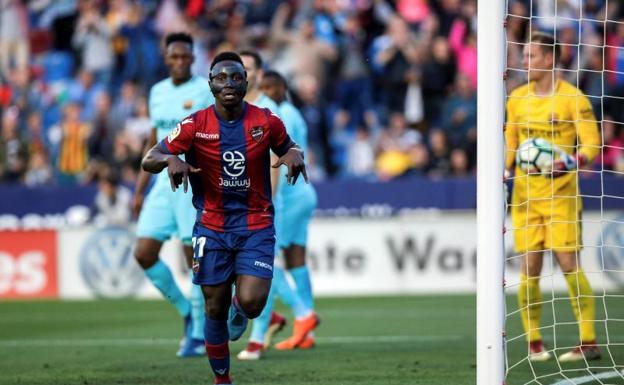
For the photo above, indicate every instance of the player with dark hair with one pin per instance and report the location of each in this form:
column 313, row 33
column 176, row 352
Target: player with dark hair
column 546, row 208
column 291, row 227
column 227, row 148
column 164, row 214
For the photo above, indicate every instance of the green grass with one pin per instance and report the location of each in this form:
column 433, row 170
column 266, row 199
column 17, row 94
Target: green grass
column 364, row 341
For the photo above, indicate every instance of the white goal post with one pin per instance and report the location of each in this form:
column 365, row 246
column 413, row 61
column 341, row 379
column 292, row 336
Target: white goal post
column 490, row 194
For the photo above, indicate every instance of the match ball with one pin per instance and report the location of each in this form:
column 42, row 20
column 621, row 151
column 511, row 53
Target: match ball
column 535, row 156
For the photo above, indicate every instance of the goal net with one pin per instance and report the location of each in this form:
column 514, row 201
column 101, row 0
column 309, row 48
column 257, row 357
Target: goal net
column 571, row 221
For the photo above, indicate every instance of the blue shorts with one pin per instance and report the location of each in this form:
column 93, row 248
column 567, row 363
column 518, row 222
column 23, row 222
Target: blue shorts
column 167, row 214
column 292, row 219
column 218, row 257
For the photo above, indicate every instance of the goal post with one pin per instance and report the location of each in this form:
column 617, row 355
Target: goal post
column 490, row 193
column 561, row 321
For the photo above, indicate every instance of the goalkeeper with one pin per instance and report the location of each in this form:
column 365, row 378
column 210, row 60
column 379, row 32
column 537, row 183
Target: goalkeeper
column 546, row 208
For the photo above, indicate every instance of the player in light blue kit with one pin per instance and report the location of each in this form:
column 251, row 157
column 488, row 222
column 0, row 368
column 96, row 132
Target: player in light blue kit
column 165, row 214
column 291, row 227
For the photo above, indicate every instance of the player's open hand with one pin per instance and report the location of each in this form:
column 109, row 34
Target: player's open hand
column 293, row 159
column 179, row 172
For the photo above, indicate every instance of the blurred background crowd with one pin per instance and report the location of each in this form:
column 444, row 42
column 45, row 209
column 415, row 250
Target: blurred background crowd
column 387, row 88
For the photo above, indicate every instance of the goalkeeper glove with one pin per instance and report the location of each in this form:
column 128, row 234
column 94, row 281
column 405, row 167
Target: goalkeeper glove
column 567, row 163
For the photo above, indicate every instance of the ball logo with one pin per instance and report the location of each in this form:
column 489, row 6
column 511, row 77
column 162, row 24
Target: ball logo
column 234, row 163
column 107, row 265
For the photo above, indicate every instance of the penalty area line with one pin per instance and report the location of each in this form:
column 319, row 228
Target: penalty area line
column 171, row 341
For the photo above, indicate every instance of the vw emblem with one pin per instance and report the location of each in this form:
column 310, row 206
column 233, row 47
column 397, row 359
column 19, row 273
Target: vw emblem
column 107, row 264
column 611, row 254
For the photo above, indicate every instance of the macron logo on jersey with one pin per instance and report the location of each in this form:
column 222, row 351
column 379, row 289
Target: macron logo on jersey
column 207, row 136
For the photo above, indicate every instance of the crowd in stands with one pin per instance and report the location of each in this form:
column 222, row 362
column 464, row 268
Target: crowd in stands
column 387, row 88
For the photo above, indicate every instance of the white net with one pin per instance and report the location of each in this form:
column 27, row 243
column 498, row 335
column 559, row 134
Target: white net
column 558, row 324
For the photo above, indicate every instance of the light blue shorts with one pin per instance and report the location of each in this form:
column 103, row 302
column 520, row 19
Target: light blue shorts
column 167, row 214
column 292, row 219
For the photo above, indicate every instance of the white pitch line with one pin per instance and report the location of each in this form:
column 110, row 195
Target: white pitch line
column 586, row 379
column 337, row 340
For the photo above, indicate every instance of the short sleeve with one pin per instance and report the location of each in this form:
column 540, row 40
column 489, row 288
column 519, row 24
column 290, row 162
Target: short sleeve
column 181, row 138
column 280, row 141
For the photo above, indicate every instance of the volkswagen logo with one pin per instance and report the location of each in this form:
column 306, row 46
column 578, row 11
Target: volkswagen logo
column 107, row 264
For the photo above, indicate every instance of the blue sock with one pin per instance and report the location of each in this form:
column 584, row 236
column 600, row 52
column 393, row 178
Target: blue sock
column 301, row 276
column 197, row 312
column 288, row 295
column 161, row 277
column 261, row 323
column 217, row 348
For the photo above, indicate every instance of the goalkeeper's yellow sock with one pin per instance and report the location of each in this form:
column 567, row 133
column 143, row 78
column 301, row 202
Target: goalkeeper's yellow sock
column 583, row 304
column 529, row 293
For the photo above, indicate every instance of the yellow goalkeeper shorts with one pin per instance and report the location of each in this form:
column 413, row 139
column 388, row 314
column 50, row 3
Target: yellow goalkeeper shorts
column 543, row 224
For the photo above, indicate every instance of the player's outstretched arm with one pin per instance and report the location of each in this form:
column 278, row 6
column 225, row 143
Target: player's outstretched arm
column 156, row 160
column 293, row 159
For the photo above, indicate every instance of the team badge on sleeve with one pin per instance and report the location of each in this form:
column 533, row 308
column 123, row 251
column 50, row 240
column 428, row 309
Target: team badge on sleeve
column 256, row 133
column 174, row 134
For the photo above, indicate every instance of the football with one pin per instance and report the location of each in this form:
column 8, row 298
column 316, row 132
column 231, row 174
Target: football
column 535, row 156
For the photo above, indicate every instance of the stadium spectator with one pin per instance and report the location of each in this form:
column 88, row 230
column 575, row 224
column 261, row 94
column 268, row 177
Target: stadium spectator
column 394, row 149
column 103, row 129
column 14, row 43
column 39, row 170
column 92, row 37
column 84, row 91
column 112, row 201
column 463, row 41
column 137, row 127
column 73, row 152
column 353, row 88
column 440, row 165
column 361, row 155
column 438, row 76
column 13, row 148
column 124, row 106
column 459, row 163
column 299, row 53
column 459, row 114
column 394, row 53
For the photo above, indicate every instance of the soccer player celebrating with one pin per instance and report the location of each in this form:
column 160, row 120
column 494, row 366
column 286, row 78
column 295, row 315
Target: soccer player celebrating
column 291, row 227
column 165, row 213
column 546, row 208
column 227, row 148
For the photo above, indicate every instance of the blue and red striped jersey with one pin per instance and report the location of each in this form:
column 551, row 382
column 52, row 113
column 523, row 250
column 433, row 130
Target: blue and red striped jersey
column 232, row 192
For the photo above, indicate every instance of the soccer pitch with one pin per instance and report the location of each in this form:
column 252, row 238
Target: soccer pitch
column 365, row 341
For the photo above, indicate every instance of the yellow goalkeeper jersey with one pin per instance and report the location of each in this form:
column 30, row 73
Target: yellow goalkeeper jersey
column 565, row 119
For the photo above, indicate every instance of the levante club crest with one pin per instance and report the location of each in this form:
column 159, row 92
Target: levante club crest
column 256, row 133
